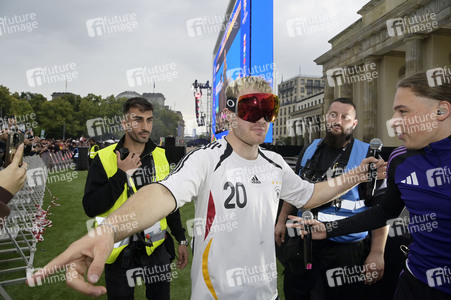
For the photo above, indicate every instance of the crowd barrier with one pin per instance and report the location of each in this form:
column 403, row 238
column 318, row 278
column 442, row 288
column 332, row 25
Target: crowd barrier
column 57, row 160
column 24, row 227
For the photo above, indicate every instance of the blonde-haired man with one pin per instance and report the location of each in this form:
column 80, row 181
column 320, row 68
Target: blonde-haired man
column 236, row 187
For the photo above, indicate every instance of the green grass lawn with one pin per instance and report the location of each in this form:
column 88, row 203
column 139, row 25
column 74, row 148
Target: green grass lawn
column 69, row 224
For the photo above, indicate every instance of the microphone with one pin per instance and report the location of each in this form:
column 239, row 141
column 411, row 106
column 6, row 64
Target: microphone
column 307, row 215
column 375, row 149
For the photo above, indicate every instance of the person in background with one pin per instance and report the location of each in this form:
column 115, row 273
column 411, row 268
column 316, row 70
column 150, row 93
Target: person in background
column 116, row 173
column 319, row 161
column 93, row 149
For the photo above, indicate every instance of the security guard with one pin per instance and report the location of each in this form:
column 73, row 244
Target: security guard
column 318, row 161
column 116, row 173
column 94, row 148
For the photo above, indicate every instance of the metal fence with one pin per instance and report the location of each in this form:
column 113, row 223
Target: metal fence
column 57, row 160
column 24, row 227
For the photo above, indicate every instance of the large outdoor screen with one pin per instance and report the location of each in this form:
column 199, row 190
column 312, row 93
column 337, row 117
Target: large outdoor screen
column 246, row 48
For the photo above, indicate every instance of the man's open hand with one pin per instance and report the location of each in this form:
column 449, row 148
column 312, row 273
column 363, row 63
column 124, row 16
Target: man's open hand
column 85, row 256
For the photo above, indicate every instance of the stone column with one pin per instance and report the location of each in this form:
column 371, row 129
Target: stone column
column 304, row 131
column 298, row 132
column 370, row 102
column 346, row 91
column 293, row 128
column 414, row 54
column 309, row 130
column 328, row 90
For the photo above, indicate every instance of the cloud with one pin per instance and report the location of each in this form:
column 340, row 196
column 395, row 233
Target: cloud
column 161, row 38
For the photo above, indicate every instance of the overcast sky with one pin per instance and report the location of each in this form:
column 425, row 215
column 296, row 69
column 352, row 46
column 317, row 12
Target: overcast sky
column 64, row 34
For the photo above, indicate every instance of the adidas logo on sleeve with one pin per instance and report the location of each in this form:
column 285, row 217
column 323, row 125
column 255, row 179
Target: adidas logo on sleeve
column 411, row 179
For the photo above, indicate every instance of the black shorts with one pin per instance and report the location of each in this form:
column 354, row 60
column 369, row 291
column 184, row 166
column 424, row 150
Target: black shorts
column 411, row 288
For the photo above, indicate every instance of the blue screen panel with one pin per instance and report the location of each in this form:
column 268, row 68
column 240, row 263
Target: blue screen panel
column 246, row 49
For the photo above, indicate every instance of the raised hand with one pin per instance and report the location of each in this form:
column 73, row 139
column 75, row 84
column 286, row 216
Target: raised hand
column 13, row 177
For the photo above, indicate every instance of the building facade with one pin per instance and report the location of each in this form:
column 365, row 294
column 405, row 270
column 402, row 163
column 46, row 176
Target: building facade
column 392, row 39
column 307, row 122
column 61, row 94
column 155, row 98
column 291, row 94
column 128, row 95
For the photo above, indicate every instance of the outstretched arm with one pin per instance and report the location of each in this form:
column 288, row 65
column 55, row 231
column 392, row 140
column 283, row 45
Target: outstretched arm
column 149, row 205
column 326, row 191
column 88, row 255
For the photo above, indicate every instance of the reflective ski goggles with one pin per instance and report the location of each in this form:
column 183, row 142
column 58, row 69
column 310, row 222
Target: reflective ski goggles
column 253, row 107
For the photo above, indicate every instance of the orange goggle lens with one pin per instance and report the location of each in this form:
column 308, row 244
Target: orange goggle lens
column 253, row 107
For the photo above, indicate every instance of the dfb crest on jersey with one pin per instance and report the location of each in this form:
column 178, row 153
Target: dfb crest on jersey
column 276, row 193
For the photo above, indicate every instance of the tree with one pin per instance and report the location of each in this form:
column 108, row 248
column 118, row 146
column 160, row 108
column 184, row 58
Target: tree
column 72, row 113
column 73, row 99
column 5, row 101
column 35, row 100
column 113, row 107
column 21, row 108
column 57, row 114
column 165, row 123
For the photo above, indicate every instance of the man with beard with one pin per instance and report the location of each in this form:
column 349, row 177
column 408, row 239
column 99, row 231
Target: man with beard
column 116, row 173
column 322, row 159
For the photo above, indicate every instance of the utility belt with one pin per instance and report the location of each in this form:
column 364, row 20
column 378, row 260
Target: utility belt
column 137, row 245
column 138, row 253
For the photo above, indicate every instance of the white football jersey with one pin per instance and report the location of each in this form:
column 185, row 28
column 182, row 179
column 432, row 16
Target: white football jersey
column 236, row 202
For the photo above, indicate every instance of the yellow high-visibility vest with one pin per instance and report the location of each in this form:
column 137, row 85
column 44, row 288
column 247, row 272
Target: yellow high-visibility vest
column 157, row 232
column 93, row 151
